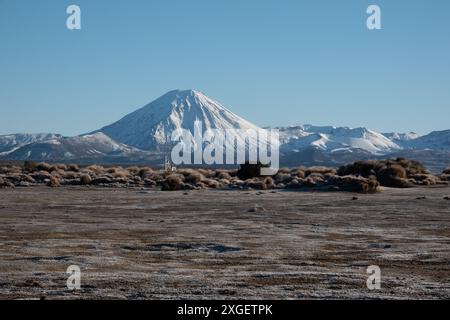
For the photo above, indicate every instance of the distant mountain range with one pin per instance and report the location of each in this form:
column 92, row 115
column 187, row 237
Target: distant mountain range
column 144, row 135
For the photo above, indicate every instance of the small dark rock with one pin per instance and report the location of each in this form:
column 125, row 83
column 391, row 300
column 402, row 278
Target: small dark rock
column 379, row 246
column 256, row 209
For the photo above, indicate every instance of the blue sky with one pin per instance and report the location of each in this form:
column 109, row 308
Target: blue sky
column 271, row 62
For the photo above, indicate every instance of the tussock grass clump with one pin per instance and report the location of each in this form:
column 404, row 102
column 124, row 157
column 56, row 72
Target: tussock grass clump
column 320, row 170
column 255, row 184
column 360, row 176
column 96, row 169
column 70, row 175
column 145, row 172
column 446, row 171
column 173, row 182
column 284, row 170
column 281, row 177
column 211, row 183
column 85, row 179
column 31, row 166
column 394, row 176
column 207, row 173
column 134, row 170
column 360, row 168
column 426, row 179
column 395, row 173
column 221, row 174
column 316, row 177
column 4, row 183
column 102, row 180
column 194, row 177
column 73, row 167
column 270, row 184
column 354, row 183
column 298, row 172
column 41, row 176
column 11, row 170
column 54, row 182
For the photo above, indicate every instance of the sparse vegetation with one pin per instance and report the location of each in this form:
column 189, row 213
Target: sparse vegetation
column 361, row 176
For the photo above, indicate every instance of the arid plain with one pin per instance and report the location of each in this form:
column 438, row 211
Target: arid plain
column 135, row 243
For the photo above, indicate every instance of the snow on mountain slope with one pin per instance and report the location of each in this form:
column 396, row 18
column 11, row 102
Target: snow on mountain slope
column 150, row 127
column 11, row 142
column 79, row 147
column 331, row 139
column 436, row 140
column 402, row 139
column 141, row 134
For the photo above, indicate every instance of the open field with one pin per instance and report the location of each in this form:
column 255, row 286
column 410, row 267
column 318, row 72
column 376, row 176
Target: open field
column 133, row 243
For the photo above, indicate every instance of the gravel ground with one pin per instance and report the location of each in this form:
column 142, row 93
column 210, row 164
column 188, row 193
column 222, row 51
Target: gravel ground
column 213, row 244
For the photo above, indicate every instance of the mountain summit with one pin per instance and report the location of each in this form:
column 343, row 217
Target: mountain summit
column 150, row 127
column 145, row 136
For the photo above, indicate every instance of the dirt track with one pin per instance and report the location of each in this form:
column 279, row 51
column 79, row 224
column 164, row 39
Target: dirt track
column 133, row 244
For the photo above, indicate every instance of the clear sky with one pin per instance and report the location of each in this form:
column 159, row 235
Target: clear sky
column 272, row 62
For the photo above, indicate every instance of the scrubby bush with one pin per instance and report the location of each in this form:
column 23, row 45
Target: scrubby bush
column 206, row 173
column 96, row 169
column 319, row 170
column 211, row 183
column 102, row 180
column 446, row 171
column 41, row 176
column 31, row 166
column 4, row 183
column 173, row 182
column 281, row 177
column 295, row 183
column 298, row 172
column 255, row 184
column 354, row 183
column 373, row 167
column 223, row 175
column 73, row 167
column 316, row 177
column 133, row 170
column 396, row 173
column 268, row 181
column 54, row 182
column 394, row 176
column 194, row 177
column 425, row 179
column 145, row 172
column 360, row 168
column 85, row 179
column 70, row 175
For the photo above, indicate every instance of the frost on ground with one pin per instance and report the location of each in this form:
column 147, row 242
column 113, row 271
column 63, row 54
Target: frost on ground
column 223, row 244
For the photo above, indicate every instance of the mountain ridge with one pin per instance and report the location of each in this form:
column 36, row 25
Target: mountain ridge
column 147, row 131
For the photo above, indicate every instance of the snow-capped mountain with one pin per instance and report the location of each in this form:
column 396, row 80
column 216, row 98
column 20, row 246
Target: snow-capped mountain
column 58, row 148
column 151, row 127
column 333, row 139
column 436, row 140
column 145, row 136
column 11, row 142
column 402, row 139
